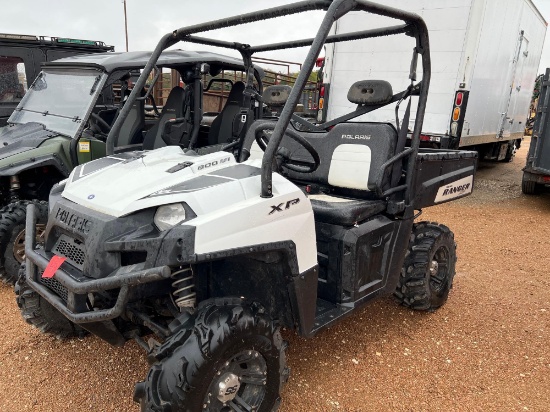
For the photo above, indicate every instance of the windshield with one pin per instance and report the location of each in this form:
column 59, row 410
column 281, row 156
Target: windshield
column 59, row 99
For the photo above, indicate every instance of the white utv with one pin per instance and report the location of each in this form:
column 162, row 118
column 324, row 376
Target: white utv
column 214, row 252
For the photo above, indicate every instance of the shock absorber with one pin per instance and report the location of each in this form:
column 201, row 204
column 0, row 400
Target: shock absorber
column 184, row 288
column 15, row 185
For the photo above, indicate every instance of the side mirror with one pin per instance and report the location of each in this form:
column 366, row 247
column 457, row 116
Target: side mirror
column 205, row 68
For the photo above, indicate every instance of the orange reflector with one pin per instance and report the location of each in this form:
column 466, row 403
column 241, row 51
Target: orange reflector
column 321, row 103
column 458, row 100
column 456, row 114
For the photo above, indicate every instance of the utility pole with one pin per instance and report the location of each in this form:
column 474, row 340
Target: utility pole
column 125, row 24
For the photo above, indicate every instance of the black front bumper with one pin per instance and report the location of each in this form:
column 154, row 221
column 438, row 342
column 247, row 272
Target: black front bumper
column 77, row 287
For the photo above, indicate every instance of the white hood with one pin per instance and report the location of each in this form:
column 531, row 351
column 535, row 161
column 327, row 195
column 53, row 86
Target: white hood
column 121, row 184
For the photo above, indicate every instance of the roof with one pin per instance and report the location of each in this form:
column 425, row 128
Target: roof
column 138, row 59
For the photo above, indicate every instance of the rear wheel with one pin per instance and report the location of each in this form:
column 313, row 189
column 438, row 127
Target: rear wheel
column 12, row 236
column 529, row 187
column 232, row 360
column 38, row 312
column 429, row 268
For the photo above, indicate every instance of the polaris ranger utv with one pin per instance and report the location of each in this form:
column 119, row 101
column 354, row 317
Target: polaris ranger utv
column 213, row 253
column 64, row 119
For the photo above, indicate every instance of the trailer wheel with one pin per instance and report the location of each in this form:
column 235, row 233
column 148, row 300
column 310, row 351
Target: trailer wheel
column 510, row 152
column 529, row 187
column 429, row 268
column 232, row 361
column 12, row 236
column 38, row 312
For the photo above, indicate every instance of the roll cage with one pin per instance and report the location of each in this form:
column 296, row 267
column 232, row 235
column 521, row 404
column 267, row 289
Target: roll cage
column 412, row 25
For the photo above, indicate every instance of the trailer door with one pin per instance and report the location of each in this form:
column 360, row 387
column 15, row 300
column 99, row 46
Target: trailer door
column 508, row 115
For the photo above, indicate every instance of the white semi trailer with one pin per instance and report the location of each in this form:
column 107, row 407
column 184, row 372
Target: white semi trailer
column 485, row 56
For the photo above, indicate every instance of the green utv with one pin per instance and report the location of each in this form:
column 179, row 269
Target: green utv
column 64, row 119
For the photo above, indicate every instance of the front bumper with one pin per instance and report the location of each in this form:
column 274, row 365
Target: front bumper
column 77, row 287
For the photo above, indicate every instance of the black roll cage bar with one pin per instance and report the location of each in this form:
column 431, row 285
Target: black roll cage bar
column 413, row 25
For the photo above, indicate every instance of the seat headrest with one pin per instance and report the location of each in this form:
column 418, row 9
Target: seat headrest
column 370, row 92
column 276, row 95
column 236, row 93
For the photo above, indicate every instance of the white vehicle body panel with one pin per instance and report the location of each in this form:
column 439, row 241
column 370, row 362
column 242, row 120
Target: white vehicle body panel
column 474, row 44
column 230, row 212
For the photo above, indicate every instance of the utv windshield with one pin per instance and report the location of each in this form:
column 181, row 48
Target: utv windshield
column 59, row 100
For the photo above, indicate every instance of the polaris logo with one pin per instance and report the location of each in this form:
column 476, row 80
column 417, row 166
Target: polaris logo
column 356, row 136
column 456, row 189
column 73, row 221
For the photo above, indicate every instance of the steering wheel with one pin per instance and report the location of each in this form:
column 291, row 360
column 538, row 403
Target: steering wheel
column 101, row 122
column 262, row 139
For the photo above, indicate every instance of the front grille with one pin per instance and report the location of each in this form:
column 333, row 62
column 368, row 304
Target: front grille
column 54, row 286
column 72, row 249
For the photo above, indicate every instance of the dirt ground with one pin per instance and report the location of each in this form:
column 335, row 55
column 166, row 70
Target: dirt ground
column 485, row 350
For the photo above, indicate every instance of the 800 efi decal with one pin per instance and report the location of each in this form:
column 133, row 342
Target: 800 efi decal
column 456, row 189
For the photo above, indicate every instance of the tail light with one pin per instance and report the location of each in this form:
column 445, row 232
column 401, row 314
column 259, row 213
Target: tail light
column 424, row 138
column 459, row 98
column 456, row 114
column 322, row 91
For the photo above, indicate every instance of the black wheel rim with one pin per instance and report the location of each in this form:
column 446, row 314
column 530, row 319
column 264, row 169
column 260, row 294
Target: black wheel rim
column 439, row 270
column 239, row 384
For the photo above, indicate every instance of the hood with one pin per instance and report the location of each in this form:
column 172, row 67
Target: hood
column 19, row 138
column 121, row 184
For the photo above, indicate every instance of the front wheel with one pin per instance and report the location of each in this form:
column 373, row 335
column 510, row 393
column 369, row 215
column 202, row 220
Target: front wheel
column 40, row 313
column 12, row 236
column 232, row 360
column 429, row 268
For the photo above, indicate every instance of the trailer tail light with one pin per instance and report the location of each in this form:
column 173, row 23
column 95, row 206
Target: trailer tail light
column 456, row 114
column 459, row 98
column 424, row 138
column 454, row 129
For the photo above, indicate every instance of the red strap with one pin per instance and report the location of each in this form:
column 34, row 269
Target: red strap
column 55, row 263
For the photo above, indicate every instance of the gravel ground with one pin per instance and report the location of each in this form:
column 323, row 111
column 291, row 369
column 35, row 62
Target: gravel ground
column 486, row 349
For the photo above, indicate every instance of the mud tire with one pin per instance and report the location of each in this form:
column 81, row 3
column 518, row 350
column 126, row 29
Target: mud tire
column 192, row 358
column 12, row 223
column 38, row 312
column 423, row 284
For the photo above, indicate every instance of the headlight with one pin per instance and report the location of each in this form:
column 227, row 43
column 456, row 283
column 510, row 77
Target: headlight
column 168, row 216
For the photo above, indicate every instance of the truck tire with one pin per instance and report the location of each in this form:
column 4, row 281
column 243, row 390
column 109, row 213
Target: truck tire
column 510, row 152
column 429, row 268
column 12, row 236
column 38, row 312
column 230, row 344
column 529, row 187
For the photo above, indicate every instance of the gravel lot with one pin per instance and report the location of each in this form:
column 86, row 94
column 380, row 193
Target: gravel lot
column 486, row 349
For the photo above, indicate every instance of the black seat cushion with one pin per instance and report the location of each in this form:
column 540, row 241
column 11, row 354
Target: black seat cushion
column 346, row 213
